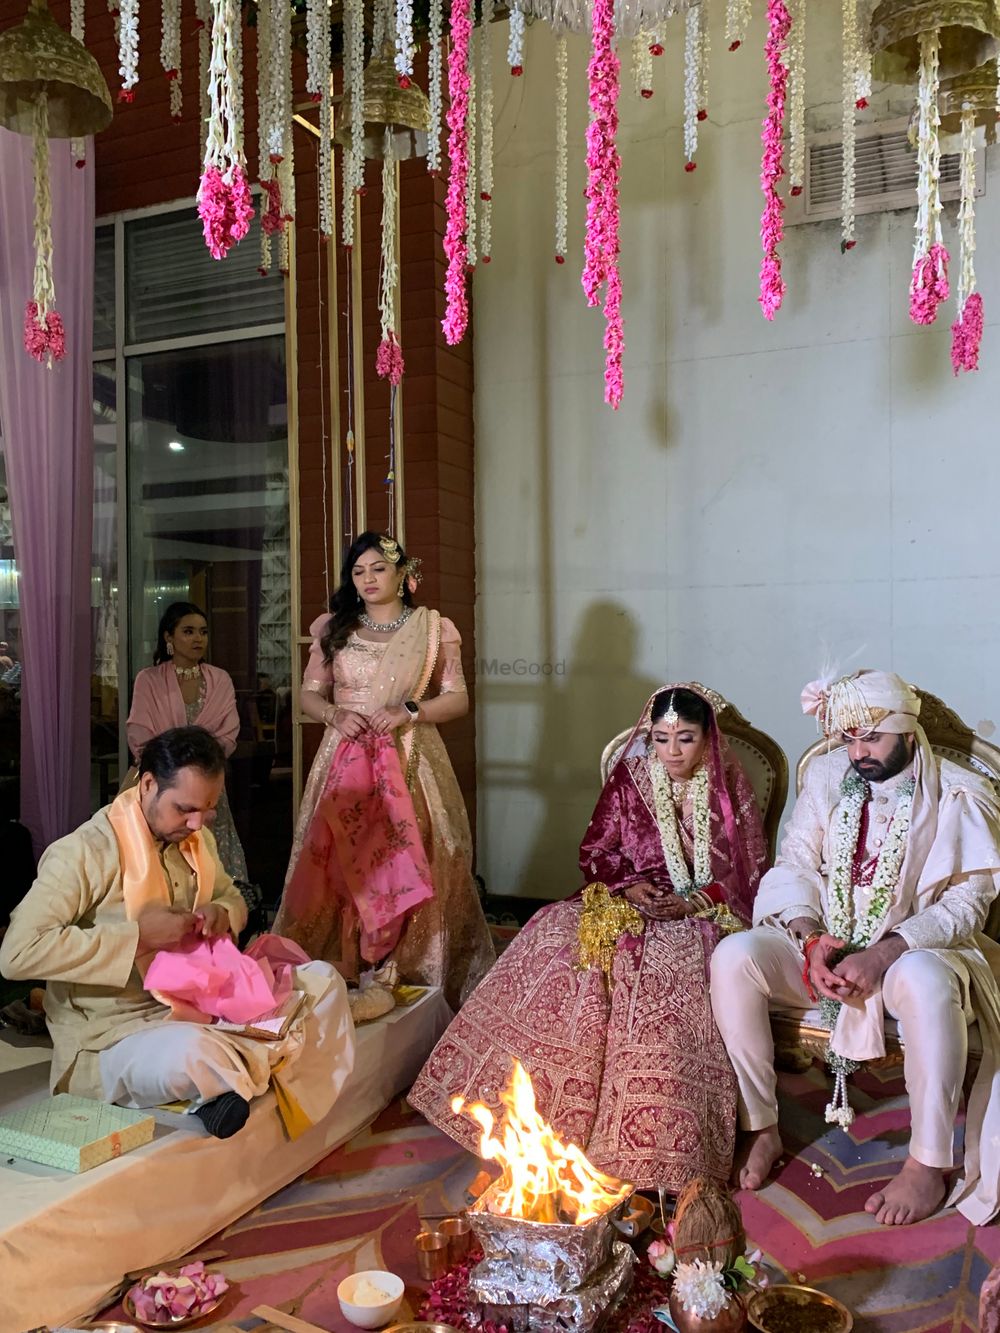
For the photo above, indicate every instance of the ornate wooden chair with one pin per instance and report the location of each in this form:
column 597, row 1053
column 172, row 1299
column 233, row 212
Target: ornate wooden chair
column 762, row 758
column 801, row 1037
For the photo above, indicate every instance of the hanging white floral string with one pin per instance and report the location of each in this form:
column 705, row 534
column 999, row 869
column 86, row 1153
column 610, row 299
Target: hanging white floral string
column 284, row 96
column 435, row 69
column 170, row 53
column 796, row 57
column 128, row 48
column 317, row 57
column 471, row 190
column 515, row 41
column 77, row 27
column 642, row 65
column 693, row 112
column 326, row 223
column 849, row 95
column 404, row 43
column 203, row 24
column 318, row 88
column 389, row 359
column 486, row 130
column 380, row 24
column 44, row 334
column 738, row 16
column 967, row 331
column 265, row 117
column 224, row 202
column 863, row 87
column 929, row 284
column 562, row 148
column 353, row 35
column 286, row 175
column 703, row 54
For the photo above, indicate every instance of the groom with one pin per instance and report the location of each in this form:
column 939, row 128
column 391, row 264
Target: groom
column 877, row 904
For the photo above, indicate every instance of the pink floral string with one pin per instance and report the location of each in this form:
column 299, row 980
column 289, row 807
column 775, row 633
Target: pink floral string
column 45, row 339
column 601, row 246
column 929, row 286
column 389, row 360
column 772, row 167
column 225, row 208
column 456, row 317
column 967, row 334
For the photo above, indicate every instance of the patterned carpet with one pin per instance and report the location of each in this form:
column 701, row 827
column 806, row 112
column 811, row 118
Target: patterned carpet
column 360, row 1208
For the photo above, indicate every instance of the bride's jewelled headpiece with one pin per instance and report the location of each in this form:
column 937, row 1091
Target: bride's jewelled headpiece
column 390, row 549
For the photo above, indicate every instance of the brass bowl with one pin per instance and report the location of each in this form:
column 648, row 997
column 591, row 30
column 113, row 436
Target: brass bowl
column 636, row 1216
column 421, row 1328
column 803, row 1299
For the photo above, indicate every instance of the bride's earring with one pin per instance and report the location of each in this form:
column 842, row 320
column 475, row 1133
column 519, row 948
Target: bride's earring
column 170, row 650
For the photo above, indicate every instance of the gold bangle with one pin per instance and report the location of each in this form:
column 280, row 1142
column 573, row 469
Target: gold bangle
column 813, row 935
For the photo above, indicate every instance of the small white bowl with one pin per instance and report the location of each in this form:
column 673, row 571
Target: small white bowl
column 371, row 1316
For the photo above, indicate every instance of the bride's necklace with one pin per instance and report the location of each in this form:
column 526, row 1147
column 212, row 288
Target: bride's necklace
column 664, row 798
column 188, row 673
column 386, row 626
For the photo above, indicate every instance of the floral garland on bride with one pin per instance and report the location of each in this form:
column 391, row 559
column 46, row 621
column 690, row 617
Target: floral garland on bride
column 670, row 838
column 843, row 922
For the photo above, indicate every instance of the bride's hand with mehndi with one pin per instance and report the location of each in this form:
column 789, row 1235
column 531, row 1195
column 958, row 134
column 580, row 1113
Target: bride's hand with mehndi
column 657, row 904
column 389, row 719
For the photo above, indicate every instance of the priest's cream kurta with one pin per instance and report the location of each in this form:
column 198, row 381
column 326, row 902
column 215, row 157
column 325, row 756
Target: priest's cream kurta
column 71, row 931
column 947, row 885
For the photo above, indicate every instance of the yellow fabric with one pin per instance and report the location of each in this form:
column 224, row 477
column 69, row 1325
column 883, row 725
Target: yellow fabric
column 293, row 1117
column 144, row 881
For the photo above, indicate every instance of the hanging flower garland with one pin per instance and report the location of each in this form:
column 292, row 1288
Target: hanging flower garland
column 203, row 26
column 738, row 16
column 796, row 61
column 389, row 360
column 224, row 202
column 457, row 310
column 695, row 79
column 77, row 27
column 772, row 285
column 435, row 87
column 170, row 53
column 381, row 20
column 562, row 148
column 851, row 55
column 515, row 41
column 603, row 165
column 317, row 55
column 967, row 331
column 486, row 130
column 44, row 333
column 670, row 838
column 354, row 38
column 471, row 192
column 325, row 166
column 128, row 48
column 642, row 65
column 270, row 217
column 318, row 88
column 929, row 285
column 404, row 43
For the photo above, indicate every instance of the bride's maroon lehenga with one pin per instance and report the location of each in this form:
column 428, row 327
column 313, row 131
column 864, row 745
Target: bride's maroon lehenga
column 639, row 1076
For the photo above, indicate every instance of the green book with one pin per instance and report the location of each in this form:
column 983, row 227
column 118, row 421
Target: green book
column 73, row 1133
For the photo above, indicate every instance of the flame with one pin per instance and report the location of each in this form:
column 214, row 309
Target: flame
column 544, row 1179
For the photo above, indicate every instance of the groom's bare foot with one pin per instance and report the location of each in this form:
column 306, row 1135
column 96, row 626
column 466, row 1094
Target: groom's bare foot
column 761, row 1149
column 916, row 1192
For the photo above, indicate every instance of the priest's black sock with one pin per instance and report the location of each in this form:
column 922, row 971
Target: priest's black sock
column 224, row 1116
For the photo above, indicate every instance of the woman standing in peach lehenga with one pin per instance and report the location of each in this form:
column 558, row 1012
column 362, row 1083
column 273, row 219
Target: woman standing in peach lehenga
column 381, row 863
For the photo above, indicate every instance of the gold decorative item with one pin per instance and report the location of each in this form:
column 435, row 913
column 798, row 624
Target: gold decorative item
column 977, row 90
column 459, row 1233
column 793, row 1309
column 432, row 1254
column 603, row 920
column 969, row 33
column 404, row 112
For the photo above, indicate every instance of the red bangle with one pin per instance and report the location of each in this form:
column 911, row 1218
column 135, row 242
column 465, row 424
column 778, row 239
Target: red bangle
column 806, row 950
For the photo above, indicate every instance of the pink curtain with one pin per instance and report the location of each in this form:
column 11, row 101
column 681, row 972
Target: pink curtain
column 47, row 423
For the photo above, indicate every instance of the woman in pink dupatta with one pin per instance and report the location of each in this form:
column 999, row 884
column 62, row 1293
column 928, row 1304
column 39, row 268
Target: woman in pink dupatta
column 180, row 689
column 381, row 862
column 626, row 1062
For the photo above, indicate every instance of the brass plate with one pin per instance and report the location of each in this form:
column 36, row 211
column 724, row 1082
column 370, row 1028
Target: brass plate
column 802, row 1298
column 422, row 1328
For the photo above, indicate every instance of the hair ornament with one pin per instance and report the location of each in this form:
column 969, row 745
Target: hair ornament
column 390, row 549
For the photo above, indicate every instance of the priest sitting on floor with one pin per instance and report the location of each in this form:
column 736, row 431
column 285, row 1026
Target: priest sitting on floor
column 877, row 905
column 141, row 877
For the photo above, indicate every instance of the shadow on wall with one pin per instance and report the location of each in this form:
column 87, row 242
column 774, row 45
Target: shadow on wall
column 600, row 694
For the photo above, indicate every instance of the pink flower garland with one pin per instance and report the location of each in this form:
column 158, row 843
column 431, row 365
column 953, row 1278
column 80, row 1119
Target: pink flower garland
column 225, row 209
column 456, row 317
column 967, row 334
column 389, row 360
column 44, row 340
column 601, row 245
column 929, row 285
column 772, row 167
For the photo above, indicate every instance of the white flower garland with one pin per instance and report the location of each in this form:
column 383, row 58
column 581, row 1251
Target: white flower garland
column 670, row 838
column 404, row 42
column 354, row 81
column 326, row 191
column 380, row 25
column 700, row 1288
column 642, row 65
column 738, row 16
column 562, row 148
column 128, row 47
column 77, row 27
column 515, row 40
column 43, row 290
column 928, row 222
column 471, row 190
column 486, row 130
column 265, row 115
column 967, row 209
column 434, row 86
column 797, row 96
column 170, row 52
column 317, row 58
column 388, row 268
column 203, row 12
column 849, row 93
column 695, row 77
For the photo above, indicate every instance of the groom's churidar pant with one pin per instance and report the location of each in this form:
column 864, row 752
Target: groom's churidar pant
column 761, row 969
